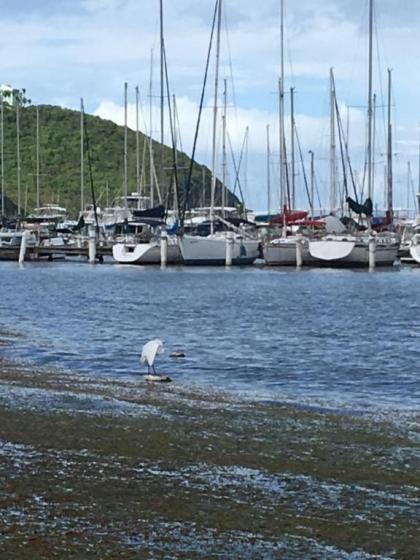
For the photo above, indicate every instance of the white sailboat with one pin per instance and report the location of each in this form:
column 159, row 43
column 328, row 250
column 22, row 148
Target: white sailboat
column 281, row 250
column 364, row 248
column 235, row 246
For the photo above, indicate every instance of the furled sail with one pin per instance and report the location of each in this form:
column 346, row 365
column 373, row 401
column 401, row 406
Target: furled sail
column 366, row 208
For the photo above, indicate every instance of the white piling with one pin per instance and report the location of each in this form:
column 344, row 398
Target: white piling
column 164, row 249
column 299, row 250
column 229, row 249
column 372, row 252
column 22, row 252
column 92, row 246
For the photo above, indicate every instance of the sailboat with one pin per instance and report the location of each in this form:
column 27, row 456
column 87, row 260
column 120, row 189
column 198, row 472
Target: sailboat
column 367, row 247
column 233, row 244
column 280, row 250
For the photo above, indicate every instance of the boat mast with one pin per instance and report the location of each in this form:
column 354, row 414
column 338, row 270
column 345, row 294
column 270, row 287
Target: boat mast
column 333, row 147
column 224, row 166
column 82, row 157
column 374, row 109
column 151, row 158
column 281, row 111
column 370, row 104
column 418, row 194
column 389, row 151
column 216, row 89
column 162, row 90
column 18, row 152
column 312, row 183
column 137, row 144
column 125, row 146
column 246, row 170
column 2, row 154
column 268, row 173
column 408, row 186
column 292, row 144
column 37, row 158
column 203, row 176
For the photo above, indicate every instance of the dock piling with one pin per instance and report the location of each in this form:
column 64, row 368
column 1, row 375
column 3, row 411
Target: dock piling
column 299, row 251
column 372, row 253
column 22, row 252
column 163, row 249
column 92, row 246
column 229, row 249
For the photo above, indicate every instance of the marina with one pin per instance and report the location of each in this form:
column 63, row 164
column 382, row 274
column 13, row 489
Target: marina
column 210, row 279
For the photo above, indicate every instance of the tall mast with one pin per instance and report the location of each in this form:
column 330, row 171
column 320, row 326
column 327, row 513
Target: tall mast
column 268, row 173
column 246, row 169
column 418, row 192
column 292, row 144
column 2, row 154
column 137, row 142
column 224, row 167
column 162, row 91
column 312, row 184
column 333, row 173
column 281, row 110
column 216, row 90
column 373, row 140
column 37, row 158
column 370, row 104
column 125, row 146
column 151, row 158
column 389, row 150
column 82, row 157
column 408, row 186
column 18, row 152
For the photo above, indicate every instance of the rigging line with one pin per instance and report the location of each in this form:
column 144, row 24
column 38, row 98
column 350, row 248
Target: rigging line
column 413, row 188
column 178, row 126
column 305, row 178
column 379, row 60
column 341, row 128
column 317, row 190
column 292, row 77
column 92, row 187
column 229, row 50
column 343, row 163
column 142, row 113
column 286, row 169
column 340, row 136
column 237, row 167
column 171, row 122
column 200, row 111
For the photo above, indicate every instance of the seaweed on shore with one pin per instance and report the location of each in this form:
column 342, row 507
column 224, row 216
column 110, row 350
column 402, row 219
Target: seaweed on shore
column 173, row 473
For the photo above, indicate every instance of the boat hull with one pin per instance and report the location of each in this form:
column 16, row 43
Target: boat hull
column 353, row 255
column 211, row 251
column 283, row 252
column 329, row 253
column 145, row 253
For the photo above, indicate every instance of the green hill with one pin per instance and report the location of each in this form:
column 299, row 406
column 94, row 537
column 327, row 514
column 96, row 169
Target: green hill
column 60, row 160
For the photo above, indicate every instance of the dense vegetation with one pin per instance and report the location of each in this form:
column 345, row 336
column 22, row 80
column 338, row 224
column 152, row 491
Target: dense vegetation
column 60, row 161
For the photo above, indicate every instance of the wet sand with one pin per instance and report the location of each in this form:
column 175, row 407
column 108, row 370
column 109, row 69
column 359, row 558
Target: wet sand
column 108, row 468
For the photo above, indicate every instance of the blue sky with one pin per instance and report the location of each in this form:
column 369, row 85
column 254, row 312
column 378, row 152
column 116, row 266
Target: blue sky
column 61, row 50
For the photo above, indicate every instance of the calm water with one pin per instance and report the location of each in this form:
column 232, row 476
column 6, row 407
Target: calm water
column 336, row 338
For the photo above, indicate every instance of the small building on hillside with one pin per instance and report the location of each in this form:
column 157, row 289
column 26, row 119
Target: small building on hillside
column 12, row 95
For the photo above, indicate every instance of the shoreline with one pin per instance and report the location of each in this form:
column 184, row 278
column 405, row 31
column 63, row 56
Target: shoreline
column 102, row 468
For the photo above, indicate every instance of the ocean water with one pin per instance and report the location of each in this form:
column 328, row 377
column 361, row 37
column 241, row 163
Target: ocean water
column 346, row 339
